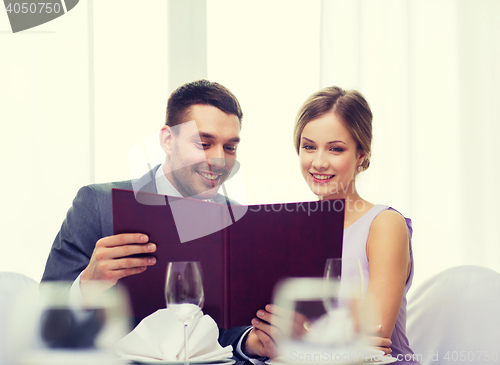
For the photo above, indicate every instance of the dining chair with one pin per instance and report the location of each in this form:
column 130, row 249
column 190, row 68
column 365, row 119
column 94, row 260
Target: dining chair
column 12, row 285
column 454, row 317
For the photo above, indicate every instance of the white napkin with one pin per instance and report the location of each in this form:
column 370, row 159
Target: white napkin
column 160, row 337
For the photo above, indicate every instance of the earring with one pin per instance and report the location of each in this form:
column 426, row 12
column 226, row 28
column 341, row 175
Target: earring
column 360, row 168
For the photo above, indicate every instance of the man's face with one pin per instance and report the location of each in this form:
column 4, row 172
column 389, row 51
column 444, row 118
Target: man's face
column 201, row 153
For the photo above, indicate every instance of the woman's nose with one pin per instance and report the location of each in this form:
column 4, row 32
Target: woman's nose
column 320, row 161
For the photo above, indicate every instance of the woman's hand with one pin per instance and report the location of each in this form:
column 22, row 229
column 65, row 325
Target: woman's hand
column 261, row 339
column 379, row 342
column 267, row 329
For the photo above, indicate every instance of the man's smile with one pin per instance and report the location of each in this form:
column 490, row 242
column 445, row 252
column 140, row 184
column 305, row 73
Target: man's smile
column 210, row 178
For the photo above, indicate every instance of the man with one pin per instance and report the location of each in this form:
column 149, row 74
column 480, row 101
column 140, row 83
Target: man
column 200, row 139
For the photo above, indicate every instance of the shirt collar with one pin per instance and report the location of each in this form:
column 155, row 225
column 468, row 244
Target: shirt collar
column 165, row 187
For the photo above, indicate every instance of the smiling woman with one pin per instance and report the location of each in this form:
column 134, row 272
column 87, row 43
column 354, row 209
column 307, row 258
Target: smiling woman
column 333, row 133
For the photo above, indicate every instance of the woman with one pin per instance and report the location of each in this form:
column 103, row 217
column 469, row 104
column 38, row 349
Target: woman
column 333, row 133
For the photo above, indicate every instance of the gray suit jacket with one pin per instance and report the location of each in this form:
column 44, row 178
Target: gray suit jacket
column 89, row 219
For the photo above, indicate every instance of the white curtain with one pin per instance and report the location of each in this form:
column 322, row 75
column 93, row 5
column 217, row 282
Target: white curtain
column 430, row 71
column 76, row 94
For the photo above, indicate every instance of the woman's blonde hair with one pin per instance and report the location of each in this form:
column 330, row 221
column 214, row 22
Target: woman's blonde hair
column 352, row 109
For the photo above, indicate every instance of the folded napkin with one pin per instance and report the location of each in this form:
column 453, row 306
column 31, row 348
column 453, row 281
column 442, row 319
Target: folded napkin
column 160, row 338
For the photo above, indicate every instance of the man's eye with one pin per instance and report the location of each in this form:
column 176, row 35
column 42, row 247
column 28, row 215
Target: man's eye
column 203, row 145
column 230, row 148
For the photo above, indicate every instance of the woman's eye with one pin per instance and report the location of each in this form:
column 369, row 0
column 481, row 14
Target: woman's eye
column 308, row 147
column 337, row 149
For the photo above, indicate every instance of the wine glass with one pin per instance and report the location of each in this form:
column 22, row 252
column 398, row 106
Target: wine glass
column 344, row 285
column 184, row 293
column 347, row 272
column 308, row 334
column 56, row 326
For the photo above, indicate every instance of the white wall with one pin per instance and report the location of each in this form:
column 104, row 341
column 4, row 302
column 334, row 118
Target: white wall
column 131, row 93
column 430, row 73
column 44, row 116
column 267, row 53
column 79, row 92
column 63, row 128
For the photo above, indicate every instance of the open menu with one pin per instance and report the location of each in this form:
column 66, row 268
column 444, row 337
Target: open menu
column 243, row 250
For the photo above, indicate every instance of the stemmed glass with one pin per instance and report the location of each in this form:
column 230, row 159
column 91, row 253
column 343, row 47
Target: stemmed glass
column 184, row 293
column 53, row 326
column 344, row 284
column 347, row 272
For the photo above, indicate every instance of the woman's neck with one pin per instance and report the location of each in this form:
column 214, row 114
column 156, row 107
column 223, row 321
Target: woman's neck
column 355, row 206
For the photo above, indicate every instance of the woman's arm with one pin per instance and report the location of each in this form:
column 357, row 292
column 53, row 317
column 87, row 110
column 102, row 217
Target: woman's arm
column 389, row 263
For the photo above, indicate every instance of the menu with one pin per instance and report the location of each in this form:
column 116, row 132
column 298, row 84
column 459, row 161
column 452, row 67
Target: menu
column 244, row 250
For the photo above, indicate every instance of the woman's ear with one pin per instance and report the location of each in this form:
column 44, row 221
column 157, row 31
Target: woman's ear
column 361, row 157
column 166, row 139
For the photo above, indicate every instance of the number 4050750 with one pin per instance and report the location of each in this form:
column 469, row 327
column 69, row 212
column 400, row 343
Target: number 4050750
column 24, row 8
column 471, row 356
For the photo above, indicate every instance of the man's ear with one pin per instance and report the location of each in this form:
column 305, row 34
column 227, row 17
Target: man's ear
column 166, row 136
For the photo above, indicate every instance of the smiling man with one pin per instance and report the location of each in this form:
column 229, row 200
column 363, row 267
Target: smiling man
column 200, row 138
column 200, row 153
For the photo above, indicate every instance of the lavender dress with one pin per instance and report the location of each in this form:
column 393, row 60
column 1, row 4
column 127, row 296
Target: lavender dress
column 354, row 246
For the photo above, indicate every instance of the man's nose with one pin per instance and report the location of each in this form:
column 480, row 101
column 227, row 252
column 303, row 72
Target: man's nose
column 216, row 157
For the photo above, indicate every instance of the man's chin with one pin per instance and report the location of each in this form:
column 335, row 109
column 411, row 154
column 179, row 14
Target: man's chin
column 207, row 194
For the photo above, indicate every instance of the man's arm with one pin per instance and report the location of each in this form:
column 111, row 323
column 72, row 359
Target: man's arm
column 233, row 337
column 81, row 245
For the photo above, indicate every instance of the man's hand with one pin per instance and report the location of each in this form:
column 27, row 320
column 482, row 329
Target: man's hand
column 109, row 261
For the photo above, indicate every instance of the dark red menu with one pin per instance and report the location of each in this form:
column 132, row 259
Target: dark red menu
column 243, row 250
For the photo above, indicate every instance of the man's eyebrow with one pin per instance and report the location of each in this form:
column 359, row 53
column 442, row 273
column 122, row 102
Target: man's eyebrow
column 211, row 136
column 206, row 135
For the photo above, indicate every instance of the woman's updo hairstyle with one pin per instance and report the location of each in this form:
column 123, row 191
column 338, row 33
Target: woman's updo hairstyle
column 352, row 109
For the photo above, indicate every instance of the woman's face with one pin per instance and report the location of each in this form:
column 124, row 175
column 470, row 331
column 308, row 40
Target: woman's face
column 329, row 157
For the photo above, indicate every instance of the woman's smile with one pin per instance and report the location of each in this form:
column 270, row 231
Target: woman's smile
column 329, row 156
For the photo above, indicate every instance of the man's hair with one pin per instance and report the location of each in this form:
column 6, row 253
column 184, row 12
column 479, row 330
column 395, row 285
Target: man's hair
column 202, row 92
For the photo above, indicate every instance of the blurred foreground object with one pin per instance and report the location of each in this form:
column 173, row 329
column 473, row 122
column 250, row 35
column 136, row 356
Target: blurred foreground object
column 454, row 317
column 320, row 322
column 54, row 327
column 12, row 286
